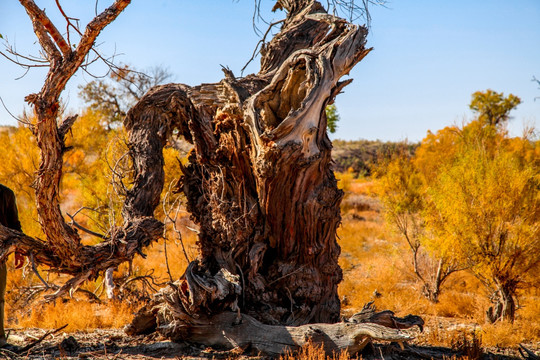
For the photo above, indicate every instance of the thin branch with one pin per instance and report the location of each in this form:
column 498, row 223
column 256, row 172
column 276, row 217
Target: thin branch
column 34, row 269
column 173, row 220
column 43, row 25
column 80, row 227
column 534, row 79
column 32, row 58
column 43, row 337
column 13, row 116
column 260, row 42
column 95, row 26
column 19, row 63
column 68, row 22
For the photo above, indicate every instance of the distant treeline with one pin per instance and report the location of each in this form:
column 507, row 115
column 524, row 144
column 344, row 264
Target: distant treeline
column 358, row 156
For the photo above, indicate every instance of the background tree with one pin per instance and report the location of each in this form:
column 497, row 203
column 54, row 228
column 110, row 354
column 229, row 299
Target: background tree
column 486, row 206
column 474, row 193
column 125, row 86
column 332, row 118
column 402, row 188
column 492, row 107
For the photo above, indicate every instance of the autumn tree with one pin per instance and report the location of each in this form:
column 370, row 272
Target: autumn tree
column 493, row 108
column 486, row 205
column 18, row 173
column 474, row 191
column 402, row 188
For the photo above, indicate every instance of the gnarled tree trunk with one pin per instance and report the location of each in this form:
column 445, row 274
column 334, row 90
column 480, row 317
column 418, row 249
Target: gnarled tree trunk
column 260, row 185
column 504, row 307
column 259, row 181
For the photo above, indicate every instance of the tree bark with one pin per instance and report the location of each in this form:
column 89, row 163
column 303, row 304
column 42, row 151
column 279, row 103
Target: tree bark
column 62, row 249
column 259, row 181
column 504, row 308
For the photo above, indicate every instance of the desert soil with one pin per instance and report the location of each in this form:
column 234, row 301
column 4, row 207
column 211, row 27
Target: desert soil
column 114, row 344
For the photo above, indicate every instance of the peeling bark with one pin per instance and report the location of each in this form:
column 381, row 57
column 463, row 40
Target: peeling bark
column 259, row 181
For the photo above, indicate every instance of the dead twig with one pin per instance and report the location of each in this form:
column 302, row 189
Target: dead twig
column 80, row 227
column 34, row 269
column 30, row 346
column 260, row 43
column 527, row 354
column 168, row 217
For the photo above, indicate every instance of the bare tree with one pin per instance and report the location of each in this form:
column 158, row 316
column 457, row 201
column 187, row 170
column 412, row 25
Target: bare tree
column 431, row 271
column 259, row 184
column 62, row 249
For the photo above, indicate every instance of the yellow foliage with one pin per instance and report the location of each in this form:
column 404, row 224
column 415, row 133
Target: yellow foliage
column 19, row 165
column 345, row 180
column 471, row 197
column 436, row 150
column 89, row 181
column 78, row 315
column 312, row 351
column 488, row 208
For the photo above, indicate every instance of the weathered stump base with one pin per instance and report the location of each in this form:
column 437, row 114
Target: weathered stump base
column 168, row 315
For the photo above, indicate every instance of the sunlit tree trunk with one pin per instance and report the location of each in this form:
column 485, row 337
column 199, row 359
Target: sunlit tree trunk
column 505, row 305
column 259, row 181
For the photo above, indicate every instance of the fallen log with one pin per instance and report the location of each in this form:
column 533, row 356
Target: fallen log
column 231, row 330
column 170, row 315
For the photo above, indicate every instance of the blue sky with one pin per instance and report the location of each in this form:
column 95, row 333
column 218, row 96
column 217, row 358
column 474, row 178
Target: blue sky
column 428, row 58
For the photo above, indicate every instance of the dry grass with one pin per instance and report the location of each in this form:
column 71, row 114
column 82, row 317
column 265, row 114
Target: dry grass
column 312, row 351
column 526, row 328
column 376, row 265
column 79, row 315
column 78, row 312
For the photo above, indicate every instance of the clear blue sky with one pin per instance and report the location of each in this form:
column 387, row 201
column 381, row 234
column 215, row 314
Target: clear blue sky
column 429, row 56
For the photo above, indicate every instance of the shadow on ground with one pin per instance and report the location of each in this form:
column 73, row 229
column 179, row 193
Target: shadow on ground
column 114, row 344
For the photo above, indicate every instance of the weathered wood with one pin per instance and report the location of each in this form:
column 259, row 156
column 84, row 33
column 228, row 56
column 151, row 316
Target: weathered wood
column 167, row 314
column 64, row 61
column 259, row 182
column 228, row 330
column 369, row 314
column 62, row 249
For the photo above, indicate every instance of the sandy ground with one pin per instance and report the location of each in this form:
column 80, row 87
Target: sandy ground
column 114, row 344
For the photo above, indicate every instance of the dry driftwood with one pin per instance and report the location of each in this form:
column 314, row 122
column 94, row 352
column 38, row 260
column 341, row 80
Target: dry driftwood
column 230, row 330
